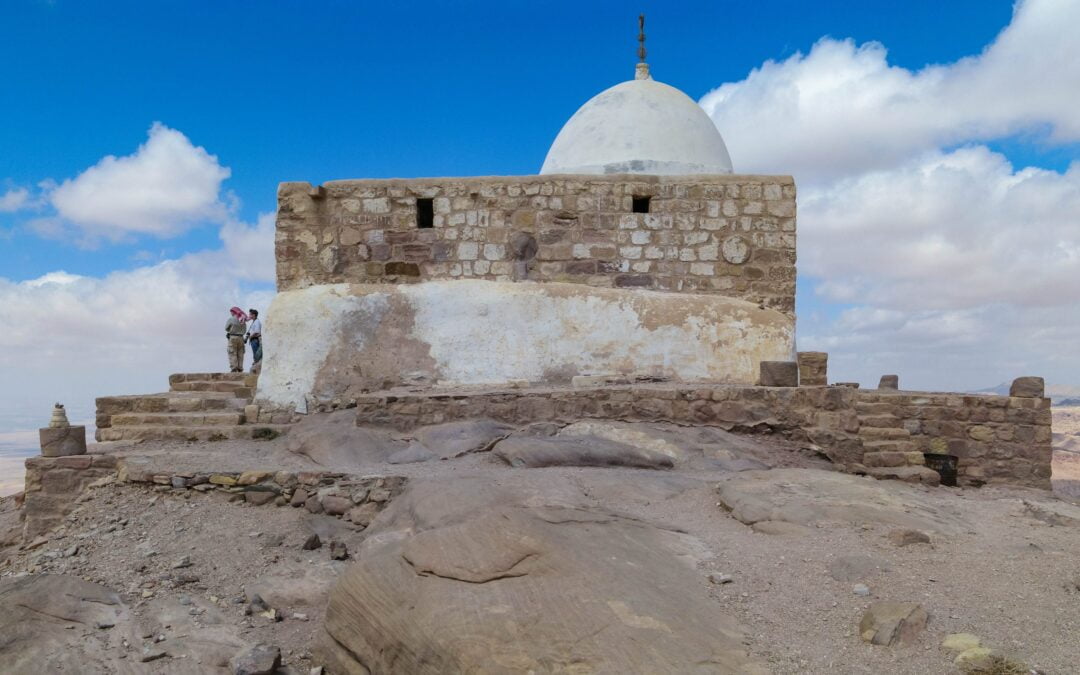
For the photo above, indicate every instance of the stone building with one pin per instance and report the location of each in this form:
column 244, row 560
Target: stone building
column 636, row 277
column 636, row 252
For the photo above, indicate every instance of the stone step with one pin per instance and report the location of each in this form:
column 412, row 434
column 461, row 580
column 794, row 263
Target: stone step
column 179, row 419
column 892, row 459
column 908, row 474
column 880, row 421
column 213, row 377
column 883, row 434
column 181, row 433
column 889, row 446
column 173, row 401
column 238, row 389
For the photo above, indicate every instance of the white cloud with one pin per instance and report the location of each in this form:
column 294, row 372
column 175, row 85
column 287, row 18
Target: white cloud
column 73, row 337
column 946, row 230
column 166, row 187
column 14, row 200
column 77, row 337
column 960, row 269
column 251, row 249
column 844, row 109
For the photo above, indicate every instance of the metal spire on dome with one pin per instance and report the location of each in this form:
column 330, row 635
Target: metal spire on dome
column 641, row 72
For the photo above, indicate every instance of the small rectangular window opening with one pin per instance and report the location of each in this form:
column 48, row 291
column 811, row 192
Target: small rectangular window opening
column 641, row 204
column 425, row 213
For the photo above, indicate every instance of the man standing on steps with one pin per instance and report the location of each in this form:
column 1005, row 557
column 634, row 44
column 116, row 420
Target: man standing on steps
column 234, row 333
column 254, row 338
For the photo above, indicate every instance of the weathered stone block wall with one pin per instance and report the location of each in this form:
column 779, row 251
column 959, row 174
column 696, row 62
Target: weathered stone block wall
column 730, row 235
column 355, row 498
column 821, row 415
column 53, row 484
column 997, row 439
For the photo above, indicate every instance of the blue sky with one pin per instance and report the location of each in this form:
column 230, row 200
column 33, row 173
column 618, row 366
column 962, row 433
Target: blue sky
column 958, row 279
column 296, row 91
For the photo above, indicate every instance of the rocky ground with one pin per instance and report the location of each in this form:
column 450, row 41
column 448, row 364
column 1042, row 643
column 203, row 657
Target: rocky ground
column 716, row 553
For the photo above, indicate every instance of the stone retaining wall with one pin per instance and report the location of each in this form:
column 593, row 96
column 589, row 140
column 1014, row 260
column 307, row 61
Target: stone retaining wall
column 730, row 235
column 53, row 484
column 355, row 498
column 822, row 415
column 997, row 439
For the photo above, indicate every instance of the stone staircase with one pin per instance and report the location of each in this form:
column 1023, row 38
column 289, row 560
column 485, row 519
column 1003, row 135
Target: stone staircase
column 889, row 451
column 197, row 407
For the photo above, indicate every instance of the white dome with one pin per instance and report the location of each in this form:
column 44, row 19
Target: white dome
column 639, row 126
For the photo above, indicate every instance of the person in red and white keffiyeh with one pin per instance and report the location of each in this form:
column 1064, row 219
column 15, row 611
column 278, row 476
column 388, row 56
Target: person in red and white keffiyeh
column 235, row 328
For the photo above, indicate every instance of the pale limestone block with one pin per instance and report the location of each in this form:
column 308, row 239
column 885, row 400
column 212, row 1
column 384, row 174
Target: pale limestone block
column 687, row 255
column 783, row 209
column 686, row 221
column 376, row 236
column 481, row 267
column 494, row 251
column 470, row 218
column 376, row 205
column 640, row 236
column 712, row 209
column 502, row 268
column 713, row 224
column 456, row 219
column 709, row 252
column 753, row 208
column 351, row 205
column 702, row 269
column 630, row 252
column 735, row 250
column 441, row 205
column 308, row 238
column 455, row 270
column 468, row 250
column 629, row 221
column 580, row 251
column 730, row 208
column 642, row 266
column 652, row 221
column 693, row 238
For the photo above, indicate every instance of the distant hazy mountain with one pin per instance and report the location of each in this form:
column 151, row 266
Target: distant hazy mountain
column 1060, row 394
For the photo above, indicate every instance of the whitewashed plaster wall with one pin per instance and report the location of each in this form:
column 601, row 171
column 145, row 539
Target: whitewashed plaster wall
column 340, row 340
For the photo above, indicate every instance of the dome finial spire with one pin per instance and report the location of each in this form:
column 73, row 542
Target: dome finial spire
column 641, row 72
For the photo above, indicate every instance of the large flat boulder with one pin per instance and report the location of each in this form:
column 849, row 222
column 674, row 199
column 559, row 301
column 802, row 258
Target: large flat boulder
column 334, row 441
column 811, row 496
column 584, row 450
column 454, row 439
column 707, row 446
column 473, row 577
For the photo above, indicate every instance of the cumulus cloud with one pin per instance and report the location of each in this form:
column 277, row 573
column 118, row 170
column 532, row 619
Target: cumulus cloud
column 166, row 187
column 946, row 230
column 954, row 263
column 843, row 109
column 251, row 248
column 77, row 337
column 14, row 200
